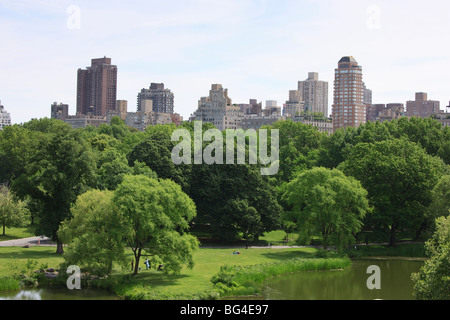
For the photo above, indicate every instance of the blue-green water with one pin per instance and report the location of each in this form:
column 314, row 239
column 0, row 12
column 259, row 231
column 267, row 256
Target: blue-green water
column 349, row 284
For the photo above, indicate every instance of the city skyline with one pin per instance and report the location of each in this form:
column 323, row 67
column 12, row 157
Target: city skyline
column 257, row 49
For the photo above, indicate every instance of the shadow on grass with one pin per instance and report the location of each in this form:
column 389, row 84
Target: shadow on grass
column 28, row 253
column 283, row 255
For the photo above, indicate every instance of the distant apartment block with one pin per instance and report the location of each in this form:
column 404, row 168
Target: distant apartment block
column 295, row 106
column 5, row 117
column 253, row 107
column 321, row 124
column 257, row 121
column 141, row 120
column 121, row 109
column 161, row 99
column 422, row 107
column 97, row 88
column 82, row 121
column 367, row 95
column 349, row 109
column 384, row 112
column 217, row 108
column 314, row 93
column 59, row 111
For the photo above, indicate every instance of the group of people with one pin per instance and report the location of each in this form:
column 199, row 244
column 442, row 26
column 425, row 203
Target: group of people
column 236, row 252
column 147, row 265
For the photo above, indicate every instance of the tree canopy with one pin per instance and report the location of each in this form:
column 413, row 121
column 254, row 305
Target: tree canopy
column 327, row 203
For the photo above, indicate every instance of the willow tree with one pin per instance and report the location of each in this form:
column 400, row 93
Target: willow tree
column 327, row 203
column 156, row 216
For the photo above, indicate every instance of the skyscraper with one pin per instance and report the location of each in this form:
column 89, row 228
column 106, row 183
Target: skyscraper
column 349, row 109
column 314, row 93
column 162, row 99
column 97, row 88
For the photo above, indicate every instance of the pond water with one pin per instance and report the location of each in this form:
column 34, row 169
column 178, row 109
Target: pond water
column 349, row 284
column 58, row 294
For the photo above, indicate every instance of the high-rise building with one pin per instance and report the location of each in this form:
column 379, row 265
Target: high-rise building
column 349, row 109
column 162, row 99
column 218, row 110
column 422, row 107
column 5, row 117
column 314, row 93
column 97, row 88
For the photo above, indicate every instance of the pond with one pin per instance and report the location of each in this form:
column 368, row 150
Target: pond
column 58, row 294
column 350, row 284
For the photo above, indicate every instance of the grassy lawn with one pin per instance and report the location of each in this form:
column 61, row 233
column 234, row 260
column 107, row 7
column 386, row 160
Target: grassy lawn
column 208, row 263
column 14, row 259
column 17, row 233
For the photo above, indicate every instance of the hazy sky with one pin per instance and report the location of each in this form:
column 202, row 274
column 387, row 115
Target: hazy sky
column 256, row 48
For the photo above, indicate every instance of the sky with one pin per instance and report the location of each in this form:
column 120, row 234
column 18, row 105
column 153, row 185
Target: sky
column 257, row 49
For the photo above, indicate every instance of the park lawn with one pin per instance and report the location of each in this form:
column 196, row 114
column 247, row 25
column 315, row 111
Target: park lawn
column 14, row 259
column 17, row 233
column 207, row 264
column 189, row 281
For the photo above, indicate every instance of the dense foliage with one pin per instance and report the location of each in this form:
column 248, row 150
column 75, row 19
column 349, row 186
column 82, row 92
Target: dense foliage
column 400, row 167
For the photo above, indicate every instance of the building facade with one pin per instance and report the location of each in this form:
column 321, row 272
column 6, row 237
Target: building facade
column 314, row 93
column 384, row 112
column 295, row 106
column 5, row 117
column 349, row 109
column 97, row 88
column 162, row 99
column 422, row 107
column 59, row 111
column 218, row 109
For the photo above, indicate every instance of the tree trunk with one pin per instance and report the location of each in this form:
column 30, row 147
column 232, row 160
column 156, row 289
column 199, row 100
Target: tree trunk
column 137, row 258
column 393, row 231
column 59, row 248
column 4, row 229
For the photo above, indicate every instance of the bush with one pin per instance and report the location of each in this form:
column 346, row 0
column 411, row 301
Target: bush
column 9, row 284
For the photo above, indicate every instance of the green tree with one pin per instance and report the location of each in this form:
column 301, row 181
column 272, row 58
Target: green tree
column 399, row 176
column 13, row 213
column 233, row 199
column 60, row 166
column 156, row 215
column 113, row 166
column 156, row 152
column 432, row 282
column 94, row 234
column 327, row 203
column 440, row 198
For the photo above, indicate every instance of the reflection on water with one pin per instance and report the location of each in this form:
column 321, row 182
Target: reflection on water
column 24, row 295
column 58, row 294
column 350, row 284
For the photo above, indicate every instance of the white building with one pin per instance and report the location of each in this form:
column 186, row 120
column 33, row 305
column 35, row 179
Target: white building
column 218, row 110
column 5, row 117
